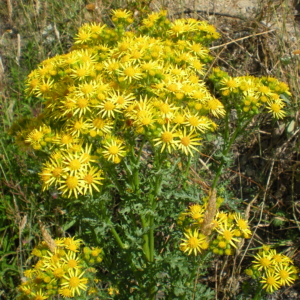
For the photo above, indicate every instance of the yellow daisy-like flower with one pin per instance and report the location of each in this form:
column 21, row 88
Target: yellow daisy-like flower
column 108, row 108
column 65, row 292
column 196, row 122
column 39, row 295
column 227, row 234
column 74, row 163
column 271, row 281
column 229, row 84
column 121, row 14
column 75, row 282
column 130, row 72
column 276, row 108
column 242, row 224
column 262, row 261
column 51, row 173
column 71, row 185
column 187, row 142
column 71, row 260
column 167, row 138
column 100, row 125
column 195, row 211
column 215, row 107
column 284, row 273
column 114, row 150
column 91, row 178
column 193, row 242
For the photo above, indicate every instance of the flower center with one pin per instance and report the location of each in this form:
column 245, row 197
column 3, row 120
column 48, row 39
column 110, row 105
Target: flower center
column 109, row 105
column 82, row 103
column 275, row 107
column 231, row 84
column 167, row 137
column 130, row 72
column 194, row 121
column 242, row 224
column 185, row 141
column 265, row 262
column 89, row 178
column 72, row 263
column 193, row 242
column 71, row 182
column 37, row 136
column 113, row 150
column 271, row 280
column 227, row 235
column 172, row 87
column 87, row 88
column 165, row 108
column 74, row 282
column 56, row 172
column 74, row 164
column 213, row 104
column 120, row 100
column 283, row 274
column 66, row 139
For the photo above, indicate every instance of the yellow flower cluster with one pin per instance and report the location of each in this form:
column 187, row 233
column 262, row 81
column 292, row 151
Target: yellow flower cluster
column 115, row 87
column 251, row 94
column 273, row 269
column 66, row 271
column 228, row 229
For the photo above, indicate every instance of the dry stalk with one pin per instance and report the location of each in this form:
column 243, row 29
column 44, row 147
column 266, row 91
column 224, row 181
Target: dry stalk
column 47, row 237
column 242, row 38
column 1, row 70
column 37, row 7
column 210, row 213
column 18, row 48
column 9, row 10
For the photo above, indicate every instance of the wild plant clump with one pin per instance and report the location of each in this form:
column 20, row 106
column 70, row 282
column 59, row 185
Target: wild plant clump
column 124, row 114
column 63, row 268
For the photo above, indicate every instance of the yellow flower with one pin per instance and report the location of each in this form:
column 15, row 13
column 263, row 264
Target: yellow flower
column 200, row 123
column 276, row 108
column 227, row 234
column 270, row 281
column 114, row 150
column 215, row 107
column 167, row 138
column 91, row 178
column 75, row 282
column 242, row 224
column 284, row 273
column 187, row 142
column 108, row 108
column 262, row 261
column 71, row 185
column 193, row 242
column 121, row 14
column 39, row 295
column 71, row 260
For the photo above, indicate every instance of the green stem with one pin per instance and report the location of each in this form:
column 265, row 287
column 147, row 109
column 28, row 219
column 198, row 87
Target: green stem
column 153, row 204
column 228, row 145
column 117, row 237
column 186, row 173
column 146, row 239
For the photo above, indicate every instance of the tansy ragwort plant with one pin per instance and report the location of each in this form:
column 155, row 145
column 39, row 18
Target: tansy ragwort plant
column 271, row 270
column 124, row 114
column 64, row 268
